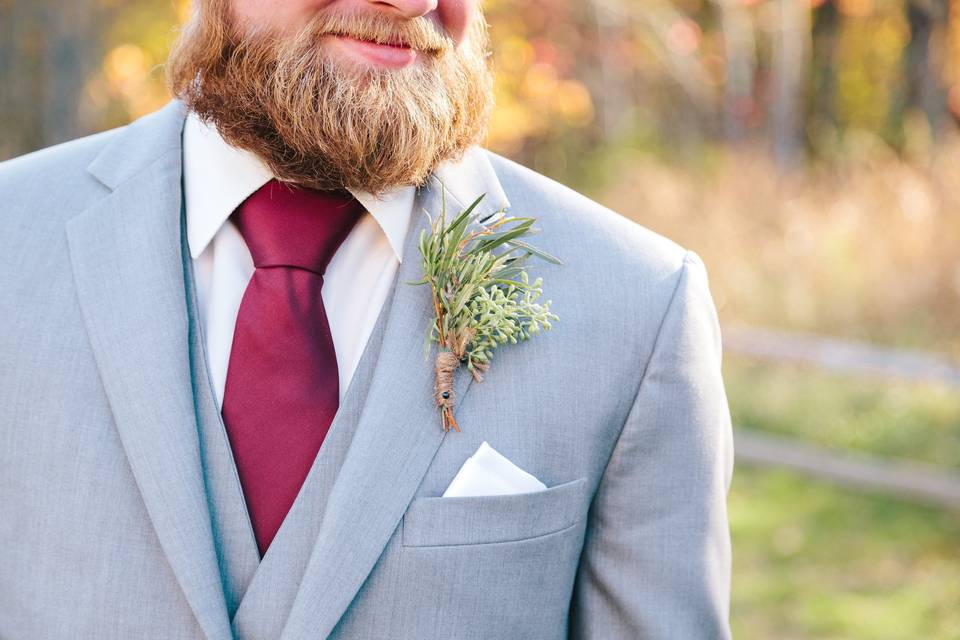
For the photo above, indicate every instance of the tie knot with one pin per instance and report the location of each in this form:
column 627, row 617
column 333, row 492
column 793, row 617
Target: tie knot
column 286, row 225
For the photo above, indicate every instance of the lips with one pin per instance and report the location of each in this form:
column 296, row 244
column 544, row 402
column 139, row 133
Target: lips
column 386, row 55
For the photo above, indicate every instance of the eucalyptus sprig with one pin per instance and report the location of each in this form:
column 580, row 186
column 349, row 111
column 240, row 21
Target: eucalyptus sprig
column 481, row 298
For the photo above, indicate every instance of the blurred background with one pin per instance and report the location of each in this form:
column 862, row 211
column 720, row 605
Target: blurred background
column 808, row 150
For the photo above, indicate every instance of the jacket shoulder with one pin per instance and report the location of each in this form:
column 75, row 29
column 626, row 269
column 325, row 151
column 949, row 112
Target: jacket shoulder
column 617, row 283
column 587, row 228
column 52, row 176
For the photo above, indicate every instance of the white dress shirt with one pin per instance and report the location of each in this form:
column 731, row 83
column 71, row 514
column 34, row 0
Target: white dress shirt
column 217, row 178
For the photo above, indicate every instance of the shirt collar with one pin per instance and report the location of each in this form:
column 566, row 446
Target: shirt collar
column 218, row 177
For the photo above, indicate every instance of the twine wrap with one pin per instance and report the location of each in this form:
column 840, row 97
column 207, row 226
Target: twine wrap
column 444, row 367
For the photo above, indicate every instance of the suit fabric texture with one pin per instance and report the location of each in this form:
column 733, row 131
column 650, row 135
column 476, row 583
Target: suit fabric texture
column 121, row 515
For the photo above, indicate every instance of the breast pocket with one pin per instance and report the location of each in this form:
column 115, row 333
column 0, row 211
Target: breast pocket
column 438, row 521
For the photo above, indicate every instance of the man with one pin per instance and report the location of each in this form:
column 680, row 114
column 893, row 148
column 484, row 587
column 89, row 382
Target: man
column 195, row 444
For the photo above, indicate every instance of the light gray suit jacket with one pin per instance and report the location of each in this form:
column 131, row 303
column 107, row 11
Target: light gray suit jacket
column 120, row 511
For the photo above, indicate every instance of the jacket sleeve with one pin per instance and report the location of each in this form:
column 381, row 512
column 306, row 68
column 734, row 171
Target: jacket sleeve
column 656, row 560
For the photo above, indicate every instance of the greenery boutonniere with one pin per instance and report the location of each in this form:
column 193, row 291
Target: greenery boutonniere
column 481, row 299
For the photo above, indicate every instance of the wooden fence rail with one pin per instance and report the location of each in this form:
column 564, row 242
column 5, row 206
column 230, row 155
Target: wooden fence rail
column 905, row 479
column 909, row 480
column 844, row 356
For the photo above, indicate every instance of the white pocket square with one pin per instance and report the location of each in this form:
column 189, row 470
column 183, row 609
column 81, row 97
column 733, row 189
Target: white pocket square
column 488, row 473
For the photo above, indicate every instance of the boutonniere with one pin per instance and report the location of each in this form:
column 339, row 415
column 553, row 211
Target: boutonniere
column 482, row 298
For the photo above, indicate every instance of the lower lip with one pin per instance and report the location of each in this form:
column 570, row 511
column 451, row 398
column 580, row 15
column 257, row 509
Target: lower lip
column 382, row 54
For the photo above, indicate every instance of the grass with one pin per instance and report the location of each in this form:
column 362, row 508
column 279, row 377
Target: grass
column 812, row 560
column 885, row 418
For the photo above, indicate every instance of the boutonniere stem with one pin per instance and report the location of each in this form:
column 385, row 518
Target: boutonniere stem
column 482, row 298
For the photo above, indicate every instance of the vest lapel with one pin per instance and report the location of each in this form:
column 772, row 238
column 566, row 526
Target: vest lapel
column 398, row 431
column 236, row 546
column 126, row 256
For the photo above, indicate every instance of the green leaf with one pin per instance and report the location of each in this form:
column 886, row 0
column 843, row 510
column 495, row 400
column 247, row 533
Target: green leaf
column 459, row 223
column 540, row 253
column 494, row 240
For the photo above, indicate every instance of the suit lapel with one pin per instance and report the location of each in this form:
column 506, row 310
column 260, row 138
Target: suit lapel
column 126, row 257
column 399, row 429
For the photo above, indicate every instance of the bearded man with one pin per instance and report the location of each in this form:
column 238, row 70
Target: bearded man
column 194, row 443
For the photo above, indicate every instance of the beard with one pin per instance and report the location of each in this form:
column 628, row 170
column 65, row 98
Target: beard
column 323, row 122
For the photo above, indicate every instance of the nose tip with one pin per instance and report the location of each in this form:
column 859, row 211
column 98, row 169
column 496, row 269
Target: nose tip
column 408, row 8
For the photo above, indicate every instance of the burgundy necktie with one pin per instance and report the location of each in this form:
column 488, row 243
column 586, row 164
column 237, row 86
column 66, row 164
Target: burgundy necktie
column 282, row 386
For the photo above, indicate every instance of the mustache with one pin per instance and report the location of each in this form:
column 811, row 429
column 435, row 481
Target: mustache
column 418, row 33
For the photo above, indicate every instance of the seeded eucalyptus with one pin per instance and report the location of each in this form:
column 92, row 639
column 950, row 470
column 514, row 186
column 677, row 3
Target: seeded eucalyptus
column 481, row 299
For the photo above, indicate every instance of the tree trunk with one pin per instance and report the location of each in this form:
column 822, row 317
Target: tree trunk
column 925, row 88
column 791, row 61
column 741, row 67
column 47, row 50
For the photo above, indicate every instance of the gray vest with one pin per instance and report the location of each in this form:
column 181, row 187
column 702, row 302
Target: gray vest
column 259, row 592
